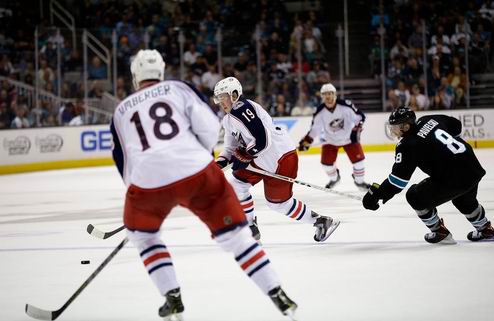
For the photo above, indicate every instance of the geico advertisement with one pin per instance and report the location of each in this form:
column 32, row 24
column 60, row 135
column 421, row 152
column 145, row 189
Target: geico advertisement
column 96, row 140
column 23, row 146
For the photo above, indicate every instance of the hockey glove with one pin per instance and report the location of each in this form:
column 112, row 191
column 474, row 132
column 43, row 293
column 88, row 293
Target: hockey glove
column 355, row 135
column 305, row 143
column 371, row 198
column 222, row 162
column 241, row 159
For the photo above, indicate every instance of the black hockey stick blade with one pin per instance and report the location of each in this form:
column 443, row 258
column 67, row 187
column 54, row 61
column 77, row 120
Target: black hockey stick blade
column 41, row 314
column 100, row 234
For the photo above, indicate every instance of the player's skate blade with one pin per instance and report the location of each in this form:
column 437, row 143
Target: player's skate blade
column 283, row 302
column 174, row 317
column 173, row 308
column 435, row 238
column 486, row 234
column 363, row 186
column 325, row 226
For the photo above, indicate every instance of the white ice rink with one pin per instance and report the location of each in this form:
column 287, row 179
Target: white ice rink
column 376, row 266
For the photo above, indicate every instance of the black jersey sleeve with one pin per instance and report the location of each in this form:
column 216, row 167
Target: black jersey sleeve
column 117, row 152
column 403, row 168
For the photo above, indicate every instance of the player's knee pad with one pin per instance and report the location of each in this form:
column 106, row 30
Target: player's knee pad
column 240, row 188
column 235, row 240
column 143, row 239
column 414, row 198
column 283, row 207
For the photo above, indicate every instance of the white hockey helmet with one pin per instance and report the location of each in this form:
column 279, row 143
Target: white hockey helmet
column 146, row 65
column 227, row 86
column 328, row 88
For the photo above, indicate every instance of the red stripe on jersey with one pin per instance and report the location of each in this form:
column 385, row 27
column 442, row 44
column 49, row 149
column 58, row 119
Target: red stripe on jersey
column 297, row 211
column 155, row 257
column 244, row 206
column 252, row 260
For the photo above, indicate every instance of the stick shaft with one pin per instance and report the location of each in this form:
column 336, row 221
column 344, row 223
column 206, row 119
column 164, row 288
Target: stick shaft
column 41, row 314
column 296, row 181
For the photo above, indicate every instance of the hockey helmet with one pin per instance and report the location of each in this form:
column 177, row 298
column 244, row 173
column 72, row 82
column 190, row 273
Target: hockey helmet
column 397, row 121
column 328, row 88
column 228, row 86
column 147, row 65
column 401, row 115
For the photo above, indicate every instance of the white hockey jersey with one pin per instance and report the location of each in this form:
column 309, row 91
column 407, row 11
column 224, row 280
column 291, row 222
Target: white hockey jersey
column 162, row 134
column 335, row 127
column 249, row 126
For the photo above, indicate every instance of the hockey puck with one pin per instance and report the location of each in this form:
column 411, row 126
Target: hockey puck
column 85, row 262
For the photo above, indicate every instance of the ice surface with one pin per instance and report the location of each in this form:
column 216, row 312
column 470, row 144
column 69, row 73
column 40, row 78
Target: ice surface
column 376, row 266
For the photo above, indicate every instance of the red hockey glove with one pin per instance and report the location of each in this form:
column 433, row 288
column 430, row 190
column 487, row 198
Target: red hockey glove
column 305, row 143
column 241, row 159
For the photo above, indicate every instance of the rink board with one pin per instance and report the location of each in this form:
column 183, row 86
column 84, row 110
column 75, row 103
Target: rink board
column 25, row 150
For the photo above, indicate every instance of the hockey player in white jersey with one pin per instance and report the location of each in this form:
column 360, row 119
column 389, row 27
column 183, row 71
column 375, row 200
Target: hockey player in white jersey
column 338, row 123
column 163, row 136
column 252, row 138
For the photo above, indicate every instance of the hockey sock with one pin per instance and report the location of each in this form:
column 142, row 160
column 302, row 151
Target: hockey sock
column 477, row 218
column 359, row 171
column 332, row 171
column 248, row 207
column 430, row 218
column 250, row 256
column 156, row 259
column 294, row 209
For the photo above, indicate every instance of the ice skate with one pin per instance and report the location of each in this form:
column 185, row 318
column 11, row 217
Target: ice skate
column 256, row 234
column 441, row 235
column 173, row 308
column 363, row 186
column 325, row 226
column 283, row 302
column 332, row 183
column 484, row 233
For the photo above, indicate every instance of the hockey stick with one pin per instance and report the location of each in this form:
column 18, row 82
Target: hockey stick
column 94, row 231
column 292, row 180
column 41, row 314
column 100, row 234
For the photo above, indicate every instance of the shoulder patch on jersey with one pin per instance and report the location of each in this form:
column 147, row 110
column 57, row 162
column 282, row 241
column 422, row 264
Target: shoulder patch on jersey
column 238, row 104
column 344, row 102
column 347, row 103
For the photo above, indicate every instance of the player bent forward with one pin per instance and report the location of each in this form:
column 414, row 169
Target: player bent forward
column 338, row 123
column 433, row 144
column 251, row 138
column 167, row 133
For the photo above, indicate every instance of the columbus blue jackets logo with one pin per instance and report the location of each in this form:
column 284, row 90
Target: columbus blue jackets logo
column 337, row 124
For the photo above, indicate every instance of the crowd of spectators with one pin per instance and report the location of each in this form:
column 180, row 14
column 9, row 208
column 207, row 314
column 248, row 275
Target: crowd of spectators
column 157, row 25
column 451, row 28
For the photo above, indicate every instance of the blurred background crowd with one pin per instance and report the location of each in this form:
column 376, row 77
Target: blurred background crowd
column 280, row 54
